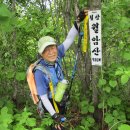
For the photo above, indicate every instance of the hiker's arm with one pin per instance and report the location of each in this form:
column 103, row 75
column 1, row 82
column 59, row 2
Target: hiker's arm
column 70, row 38
column 47, row 104
column 75, row 29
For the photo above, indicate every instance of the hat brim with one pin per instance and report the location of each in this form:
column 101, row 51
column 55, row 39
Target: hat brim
column 42, row 48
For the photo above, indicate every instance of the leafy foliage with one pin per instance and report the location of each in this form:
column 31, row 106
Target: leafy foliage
column 21, row 121
column 124, row 127
column 5, row 118
column 22, row 23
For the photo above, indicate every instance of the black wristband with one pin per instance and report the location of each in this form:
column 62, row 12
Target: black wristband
column 76, row 26
column 55, row 116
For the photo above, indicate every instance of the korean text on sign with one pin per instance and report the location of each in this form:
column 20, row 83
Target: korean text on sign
column 95, row 36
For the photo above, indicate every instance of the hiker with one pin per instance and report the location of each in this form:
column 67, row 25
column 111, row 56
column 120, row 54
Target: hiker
column 51, row 55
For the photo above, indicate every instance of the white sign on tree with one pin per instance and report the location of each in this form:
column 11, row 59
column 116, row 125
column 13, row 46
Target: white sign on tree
column 95, row 36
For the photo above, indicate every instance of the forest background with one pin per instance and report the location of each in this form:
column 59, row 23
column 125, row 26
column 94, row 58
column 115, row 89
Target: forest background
column 100, row 95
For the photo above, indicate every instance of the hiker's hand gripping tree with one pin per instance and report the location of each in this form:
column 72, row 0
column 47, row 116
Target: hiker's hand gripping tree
column 48, row 71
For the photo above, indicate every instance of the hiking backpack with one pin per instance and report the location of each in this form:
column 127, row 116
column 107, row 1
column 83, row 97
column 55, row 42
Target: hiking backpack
column 33, row 88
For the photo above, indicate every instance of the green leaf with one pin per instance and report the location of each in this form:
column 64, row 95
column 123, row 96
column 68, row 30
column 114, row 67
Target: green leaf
column 47, row 121
column 84, row 107
column 100, row 105
column 113, row 83
column 84, row 110
column 91, row 120
column 2, row 127
column 37, row 129
column 115, row 113
column 127, row 72
column 124, row 23
column 102, row 82
column 126, row 56
column 124, row 127
column 119, row 71
column 109, row 118
column 122, row 115
column 85, row 122
column 82, row 127
column 91, row 109
column 121, row 44
column 23, row 117
column 113, row 101
column 4, row 13
column 107, row 89
column 19, row 127
column 5, row 118
column 10, row 74
column 31, row 122
column 124, row 79
column 20, row 76
column 1, row 66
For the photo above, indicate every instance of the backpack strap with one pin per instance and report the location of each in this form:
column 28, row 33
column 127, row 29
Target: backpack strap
column 31, row 84
column 45, row 71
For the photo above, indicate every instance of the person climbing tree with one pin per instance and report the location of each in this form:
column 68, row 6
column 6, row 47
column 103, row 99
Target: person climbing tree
column 48, row 73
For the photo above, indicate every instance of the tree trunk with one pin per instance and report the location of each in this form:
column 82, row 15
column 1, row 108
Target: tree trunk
column 67, row 13
column 14, row 56
column 94, row 5
column 76, row 8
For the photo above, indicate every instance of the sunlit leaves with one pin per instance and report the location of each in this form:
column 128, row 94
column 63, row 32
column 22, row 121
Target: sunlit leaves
column 5, row 118
column 31, row 122
column 108, row 118
column 107, row 89
column 113, row 83
column 114, row 116
column 47, row 121
column 119, row 72
column 20, row 76
column 36, row 23
column 10, row 73
column 37, row 129
column 126, row 55
column 102, row 82
column 86, row 107
column 124, row 74
column 113, row 101
column 124, row 127
column 91, row 109
column 19, row 127
column 6, row 18
column 1, row 66
column 86, row 123
column 24, row 119
column 124, row 79
column 4, row 13
column 124, row 23
column 107, row 86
